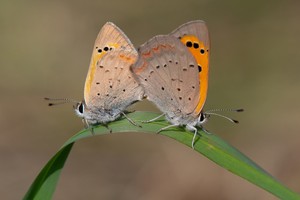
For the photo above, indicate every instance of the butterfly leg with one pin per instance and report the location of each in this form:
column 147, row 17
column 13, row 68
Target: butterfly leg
column 192, row 128
column 206, row 131
column 154, row 119
column 167, row 127
column 131, row 121
column 87, row 126
column 128, row 112
column 106, row 126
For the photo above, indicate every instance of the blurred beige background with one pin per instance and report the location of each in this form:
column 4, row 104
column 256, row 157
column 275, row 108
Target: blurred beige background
column 255, row 64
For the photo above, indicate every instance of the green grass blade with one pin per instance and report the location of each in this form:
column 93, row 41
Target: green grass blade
column 210, row 145
column 44, row 185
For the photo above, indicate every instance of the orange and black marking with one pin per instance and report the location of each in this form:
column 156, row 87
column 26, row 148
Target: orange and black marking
column 201, row 54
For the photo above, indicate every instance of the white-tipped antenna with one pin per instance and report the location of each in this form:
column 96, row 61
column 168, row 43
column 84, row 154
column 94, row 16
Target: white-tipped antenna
column 212, row 112
column 62, row 101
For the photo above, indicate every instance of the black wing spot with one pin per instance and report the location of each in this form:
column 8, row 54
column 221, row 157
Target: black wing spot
column 180, row 98
column 124, row 90
column 184, row 69
column 170, row 61
column 171, row 99
column 191, row 65
column 189, row 44
column 199, row 68
column 110, row 86
column 107, row 95
column 98, row 94
column 165, row 65
column 190, row 99
column 146, row 79
column 151, row 72
column 105, row 48
column 196, row 45
column 178, row 89
column 99, row 50
column 107, row 70
column 162, row 88
column 202, row 51
column 193, row 87
column 157, row 66
column 97, row 83
column 176, row 62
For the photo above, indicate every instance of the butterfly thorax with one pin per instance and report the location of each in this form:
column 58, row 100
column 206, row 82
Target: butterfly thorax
column 97, row 115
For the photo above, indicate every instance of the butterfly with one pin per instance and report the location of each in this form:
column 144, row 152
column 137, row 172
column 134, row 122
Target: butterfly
column 173, row 70
column 110, row 86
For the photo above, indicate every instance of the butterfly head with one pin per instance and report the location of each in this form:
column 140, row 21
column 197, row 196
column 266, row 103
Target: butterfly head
column 84, row 113
column 80, row 109
column 202, row 119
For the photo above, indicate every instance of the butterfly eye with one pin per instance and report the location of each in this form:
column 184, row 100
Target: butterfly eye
column 202, row 118
column 80, row 108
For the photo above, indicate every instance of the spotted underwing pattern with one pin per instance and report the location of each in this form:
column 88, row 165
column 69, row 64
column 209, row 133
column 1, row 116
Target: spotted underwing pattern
column 173, row 70
column 110, row 86
column 195, row 36
column 116, row 87
column 110, row 38
column 169, row 75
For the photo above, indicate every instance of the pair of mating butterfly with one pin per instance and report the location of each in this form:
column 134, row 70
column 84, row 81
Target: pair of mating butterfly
column 169, row 70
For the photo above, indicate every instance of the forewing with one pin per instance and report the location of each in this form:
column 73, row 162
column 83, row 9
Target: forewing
column 194, row 35
column 110, row 38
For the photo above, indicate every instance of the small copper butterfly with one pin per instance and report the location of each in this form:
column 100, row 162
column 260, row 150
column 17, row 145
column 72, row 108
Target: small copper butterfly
column 110, row 86
column 173, row 69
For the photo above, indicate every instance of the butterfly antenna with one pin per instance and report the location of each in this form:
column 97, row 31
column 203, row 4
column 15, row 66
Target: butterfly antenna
column 212, row 112
column 62, row 101
column 225, row 110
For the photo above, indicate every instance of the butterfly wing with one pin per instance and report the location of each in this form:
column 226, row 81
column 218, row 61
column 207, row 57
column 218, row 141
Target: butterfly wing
column 110, row 38
column 113, row 86
column 169, row 75
column 194, row 35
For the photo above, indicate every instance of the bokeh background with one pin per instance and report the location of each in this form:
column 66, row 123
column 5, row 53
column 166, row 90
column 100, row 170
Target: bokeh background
column 255, row 64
